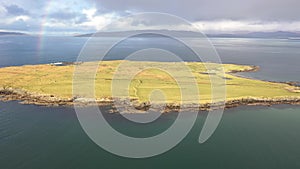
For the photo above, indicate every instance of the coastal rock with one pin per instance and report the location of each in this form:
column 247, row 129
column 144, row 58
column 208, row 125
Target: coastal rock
column 132, row 105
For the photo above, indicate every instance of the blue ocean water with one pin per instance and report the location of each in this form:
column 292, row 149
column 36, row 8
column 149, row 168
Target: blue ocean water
column 277, row 58
column 247, row 137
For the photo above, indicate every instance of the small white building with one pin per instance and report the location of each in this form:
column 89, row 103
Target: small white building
column 57, row 64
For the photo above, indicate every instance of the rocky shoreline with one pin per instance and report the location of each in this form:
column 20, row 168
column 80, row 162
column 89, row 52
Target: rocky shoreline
column 253, row 69
column 294, row 86
column 127, row 105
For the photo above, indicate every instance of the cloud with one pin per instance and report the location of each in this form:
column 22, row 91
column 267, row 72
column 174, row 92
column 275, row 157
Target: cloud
column 230, row 26
column 15, row 10
column 74, row 17
column 19, row 25
column 208, row 15
column 97, row 21
column 14, row 17
column 152, row 21
column 2, row 11
column 195, row 10
column 63, row 15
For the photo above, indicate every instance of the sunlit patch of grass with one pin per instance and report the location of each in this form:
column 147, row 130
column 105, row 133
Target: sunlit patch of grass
column 57, row 80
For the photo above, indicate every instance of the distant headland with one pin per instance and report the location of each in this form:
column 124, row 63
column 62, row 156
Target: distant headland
column 2, row 33
column 189, row 34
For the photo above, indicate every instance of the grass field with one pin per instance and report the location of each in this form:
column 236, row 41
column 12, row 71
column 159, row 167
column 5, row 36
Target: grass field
column 58, row 80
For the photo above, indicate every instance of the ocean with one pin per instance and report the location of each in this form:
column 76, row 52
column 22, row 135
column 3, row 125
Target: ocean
column 248, row 136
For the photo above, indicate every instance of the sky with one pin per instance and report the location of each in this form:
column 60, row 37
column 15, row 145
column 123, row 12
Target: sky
column 209, row 16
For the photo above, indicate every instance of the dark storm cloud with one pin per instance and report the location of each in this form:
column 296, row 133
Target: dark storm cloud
column 15, row 10
column 269, row 10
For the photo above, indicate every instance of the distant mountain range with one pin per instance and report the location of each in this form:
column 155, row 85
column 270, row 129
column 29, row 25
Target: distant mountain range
column 275, row 35
column 145, row 33
column 11, row 33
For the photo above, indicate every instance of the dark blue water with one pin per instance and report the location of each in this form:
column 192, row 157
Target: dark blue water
column 247, row 137
column 277, row 58
column 34, row 137
column 23, row 50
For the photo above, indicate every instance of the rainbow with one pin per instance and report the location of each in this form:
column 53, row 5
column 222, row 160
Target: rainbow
column 42, row 30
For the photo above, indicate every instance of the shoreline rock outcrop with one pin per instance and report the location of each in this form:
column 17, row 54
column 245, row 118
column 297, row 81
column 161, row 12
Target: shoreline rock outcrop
column 10, row 94
column 24, row 97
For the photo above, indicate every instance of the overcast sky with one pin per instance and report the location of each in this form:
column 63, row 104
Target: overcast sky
column 210, row 16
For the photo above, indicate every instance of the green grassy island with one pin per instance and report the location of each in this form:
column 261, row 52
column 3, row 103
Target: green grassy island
column 52, row 85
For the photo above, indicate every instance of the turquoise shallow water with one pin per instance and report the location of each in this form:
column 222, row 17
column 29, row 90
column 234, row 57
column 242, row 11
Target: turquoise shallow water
column 247, row 137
